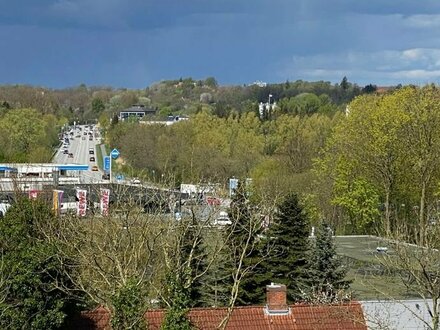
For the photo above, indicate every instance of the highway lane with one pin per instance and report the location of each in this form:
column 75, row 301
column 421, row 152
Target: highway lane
column 79, row 146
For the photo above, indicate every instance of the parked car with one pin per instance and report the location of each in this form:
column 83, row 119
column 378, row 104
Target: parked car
column 222, row 219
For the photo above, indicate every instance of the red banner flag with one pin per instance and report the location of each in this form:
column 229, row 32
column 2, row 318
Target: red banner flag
column 82, row 202
column 105, row 199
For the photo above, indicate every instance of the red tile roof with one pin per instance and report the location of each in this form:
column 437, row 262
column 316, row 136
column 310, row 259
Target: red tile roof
column 301, row 317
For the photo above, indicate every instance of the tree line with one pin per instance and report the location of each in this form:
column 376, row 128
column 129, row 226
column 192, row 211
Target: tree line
column 367, row 170
column 183, row 96
column 51, row 268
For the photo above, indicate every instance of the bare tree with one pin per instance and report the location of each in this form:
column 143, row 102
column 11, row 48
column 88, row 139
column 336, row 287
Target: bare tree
column 418, row 267
column 111, row 255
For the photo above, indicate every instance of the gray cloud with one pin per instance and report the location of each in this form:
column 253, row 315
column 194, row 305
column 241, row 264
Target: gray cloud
column 418, row 65
column 238, row 41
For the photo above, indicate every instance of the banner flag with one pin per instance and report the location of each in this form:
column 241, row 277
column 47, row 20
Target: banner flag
column 33, row 194
column 105, row 199
column 82, row 202
column 57, row 200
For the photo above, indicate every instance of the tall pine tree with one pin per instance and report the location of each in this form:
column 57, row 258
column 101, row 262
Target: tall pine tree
column 327, row 274
column 289, row 244
column 243, row 235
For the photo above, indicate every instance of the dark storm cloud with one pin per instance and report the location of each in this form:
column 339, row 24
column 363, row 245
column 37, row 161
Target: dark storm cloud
column 136, row 42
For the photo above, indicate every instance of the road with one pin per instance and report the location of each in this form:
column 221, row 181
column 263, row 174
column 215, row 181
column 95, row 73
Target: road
column 79, row 147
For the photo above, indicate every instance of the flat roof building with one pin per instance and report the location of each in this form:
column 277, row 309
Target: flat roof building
column 136, row 111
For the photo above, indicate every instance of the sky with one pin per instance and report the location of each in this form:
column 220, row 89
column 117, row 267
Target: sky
column 135, row 43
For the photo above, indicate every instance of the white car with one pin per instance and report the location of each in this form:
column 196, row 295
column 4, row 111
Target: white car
column 4, row 206
column 136, row 181
column 222, row 219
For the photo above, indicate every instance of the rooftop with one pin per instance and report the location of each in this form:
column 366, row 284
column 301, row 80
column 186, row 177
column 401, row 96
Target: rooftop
column 301, row 317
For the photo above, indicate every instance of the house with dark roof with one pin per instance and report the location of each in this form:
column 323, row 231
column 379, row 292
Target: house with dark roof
column 137, row 111
column 275, row 315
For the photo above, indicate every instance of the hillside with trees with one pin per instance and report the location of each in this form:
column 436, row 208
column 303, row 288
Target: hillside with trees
column 366, row 167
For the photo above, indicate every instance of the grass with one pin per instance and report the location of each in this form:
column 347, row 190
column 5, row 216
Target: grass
column 99, row 157
column 370, row 279
column 361, row 248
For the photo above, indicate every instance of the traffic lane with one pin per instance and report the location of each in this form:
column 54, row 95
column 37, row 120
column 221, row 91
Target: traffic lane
column 79, row 147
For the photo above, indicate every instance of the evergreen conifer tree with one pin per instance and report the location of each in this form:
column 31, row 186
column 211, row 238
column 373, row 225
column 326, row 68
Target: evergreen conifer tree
column 327, row 274
column 193, row 260
column 289, row 244
column 243, row 236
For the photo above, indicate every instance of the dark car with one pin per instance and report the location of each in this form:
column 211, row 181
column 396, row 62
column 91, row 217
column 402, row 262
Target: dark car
column 106, row 176
column 65, row 151
column 70, row 155
column 92, row 159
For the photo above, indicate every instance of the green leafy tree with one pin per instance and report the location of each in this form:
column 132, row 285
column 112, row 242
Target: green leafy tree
column 26, row 130
column 211, row 82
column 115, row 120
column 97, row 106
column 344, row 83
column 370, row 88
column 128, row 307
column 327, row 274
column 37, row 288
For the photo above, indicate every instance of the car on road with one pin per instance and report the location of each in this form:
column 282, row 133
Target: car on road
column 92, row 159
column 94, row 168
column 222, row 219
column 106, row 176
column 70, row 155
column 65, row 151
column 91, row 151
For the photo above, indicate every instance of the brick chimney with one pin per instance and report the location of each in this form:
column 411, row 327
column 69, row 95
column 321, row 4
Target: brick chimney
column 276, row 299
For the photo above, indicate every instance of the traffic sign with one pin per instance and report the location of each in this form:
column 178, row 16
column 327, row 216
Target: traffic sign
column 114, row 153
column 233, row 185
column 107, row 163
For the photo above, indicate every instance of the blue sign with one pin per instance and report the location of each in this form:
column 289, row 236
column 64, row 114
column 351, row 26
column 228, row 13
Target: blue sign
column 107, row 163
column 119, row 177
column 114, row 153
column 233, row 185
